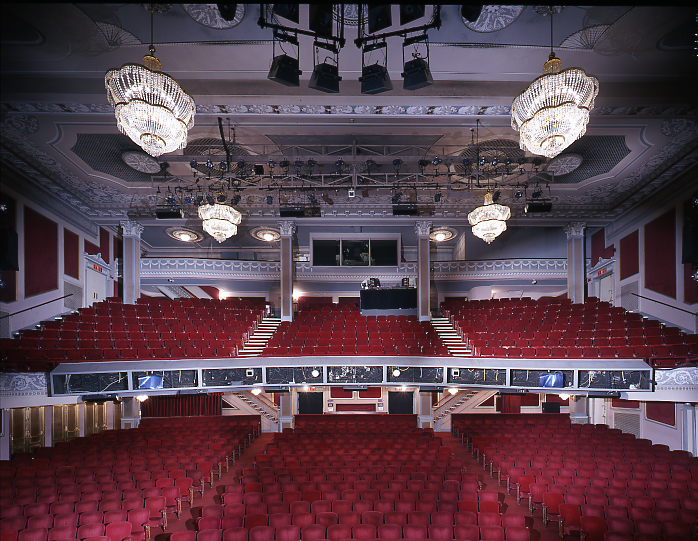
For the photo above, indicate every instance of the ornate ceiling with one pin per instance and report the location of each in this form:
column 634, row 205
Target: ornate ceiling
column 60, row 145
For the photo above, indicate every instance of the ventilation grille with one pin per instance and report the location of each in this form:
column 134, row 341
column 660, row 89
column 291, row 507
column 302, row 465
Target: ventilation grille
column 74, row 302
column 600, row 154
column 102, row 152
column 628, row 423
column 4, row 325
column 628, row 296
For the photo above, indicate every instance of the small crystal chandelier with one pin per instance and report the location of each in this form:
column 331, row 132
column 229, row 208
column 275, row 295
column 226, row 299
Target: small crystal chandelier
column 220, row 221
column 553, row 111
column 489, row 220
column 150, row 106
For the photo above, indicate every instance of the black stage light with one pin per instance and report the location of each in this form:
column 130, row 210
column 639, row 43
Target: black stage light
column 298, row 164
column 227, row 11
column 222, row 166
column 284, row 70
column 466, row 162
column 379, row 17
column 320, row 19
column 496, row 195
column 416, row 75
column 270, row 199
column 437, row 197
column 521, row 161
column 410, row 13
column 168, row 214
column 235, row 199
column 221, row 198
column 193, row 164
column 470, row 13
column 258, row 169
column 287, row 11
column 538, row 206
column 375, row 79
column 518, row 194
column 241, row 164
column 325, row 78
column 210, row 199
column 284, row 164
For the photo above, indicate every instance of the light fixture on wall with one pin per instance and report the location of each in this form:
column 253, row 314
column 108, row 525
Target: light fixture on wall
column 553, row 111
column 489, row 220
column 220, row 221
column 150, row 106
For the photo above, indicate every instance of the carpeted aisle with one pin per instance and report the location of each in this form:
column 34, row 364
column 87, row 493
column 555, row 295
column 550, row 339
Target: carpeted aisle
column 509, row 506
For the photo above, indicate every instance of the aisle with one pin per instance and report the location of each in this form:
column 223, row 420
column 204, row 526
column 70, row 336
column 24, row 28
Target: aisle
column 213, row 495
column 510, row 506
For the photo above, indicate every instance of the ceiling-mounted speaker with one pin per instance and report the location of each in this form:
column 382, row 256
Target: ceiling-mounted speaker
column 379, row 17
column 292, row 212
column 417, row 74
column 284, row 70
column 410, row 13
column 168, row 214
column 375, row 79
column 470, row 13
column 405, row 210
column 538, row 206
column 287, row 11
column 320, row 19
column 227, row 11
column 325, row 78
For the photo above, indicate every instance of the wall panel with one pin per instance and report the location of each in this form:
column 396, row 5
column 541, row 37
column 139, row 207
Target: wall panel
column 629, row 255
column 40, row 253
column 660, row 254
column 71, row 253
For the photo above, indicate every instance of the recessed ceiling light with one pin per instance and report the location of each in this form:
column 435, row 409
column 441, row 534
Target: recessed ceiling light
column 443, row 234
column 184, row 234
column 265, row 234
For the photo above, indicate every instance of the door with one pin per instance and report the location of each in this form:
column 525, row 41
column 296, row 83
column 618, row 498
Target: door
column 310, row 403
column 400, row 402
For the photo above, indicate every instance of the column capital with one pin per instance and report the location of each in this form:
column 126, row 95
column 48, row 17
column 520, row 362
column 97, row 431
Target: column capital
column 287, row 228
column 131, row 229
column 422, row 228
column 575, row 230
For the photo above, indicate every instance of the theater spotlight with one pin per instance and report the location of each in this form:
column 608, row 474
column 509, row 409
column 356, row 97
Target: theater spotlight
column 287, row 11
column 437, row 197
column 221, row 198
column 241, row 164
column 375, row 79
column 370, row 164
column 470, row 13
column 518, row 194
column 223, row 166
column 410, row 13
column 270, row 199
column 320, row 19
column 422, row 164
column 325, row 78
column 235, row 199
column 298, row 165
column 416, row 72
column 311, row 163
column 379, row 17
column 227, row 11
column 284, row 70
column 496, row 195
column 351, row 192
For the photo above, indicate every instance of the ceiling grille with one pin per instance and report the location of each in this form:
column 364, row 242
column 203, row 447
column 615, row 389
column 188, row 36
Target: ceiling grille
column 102, row 152
column 600, row 154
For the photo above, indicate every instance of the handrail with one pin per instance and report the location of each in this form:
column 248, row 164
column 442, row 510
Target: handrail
column 665, row 304
column 31, row 308
column 268, row 403
column 444, row 401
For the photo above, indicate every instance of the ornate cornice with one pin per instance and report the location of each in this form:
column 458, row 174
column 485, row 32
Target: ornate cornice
column 153, row 268
column 23, row 384
column 678, row 379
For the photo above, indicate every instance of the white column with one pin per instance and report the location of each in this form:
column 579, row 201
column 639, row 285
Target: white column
column 131, row 232
column 576, row 264
column 287, row 229
column 422, row 229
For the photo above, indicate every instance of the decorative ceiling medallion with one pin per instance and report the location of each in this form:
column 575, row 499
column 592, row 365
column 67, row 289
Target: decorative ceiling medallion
column 351, row 14
column 184, row 234
column 442, row 234
column 116, row 36
column 586, row 38
column 494, row 18
column 140, row 161
column 564, row 163
column 266, row 234
column 208, row 15
column 545, row 10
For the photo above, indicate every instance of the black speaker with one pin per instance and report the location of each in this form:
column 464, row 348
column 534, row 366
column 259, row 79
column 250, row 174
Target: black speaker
column 379, row 17
column 538, row 206
column 410, row 13
column 405, row 210
column 320, row 19
column 227, row 11
column 287, row 11
column 284, row 70
column 551, row 407
column 292, row 212
column 168, row 214
column 9, row 254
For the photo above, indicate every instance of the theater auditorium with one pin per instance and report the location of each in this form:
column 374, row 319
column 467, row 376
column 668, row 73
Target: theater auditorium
column 298, row 272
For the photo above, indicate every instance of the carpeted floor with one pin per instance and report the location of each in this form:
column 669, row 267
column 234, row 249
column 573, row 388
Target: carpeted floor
column 213, row 495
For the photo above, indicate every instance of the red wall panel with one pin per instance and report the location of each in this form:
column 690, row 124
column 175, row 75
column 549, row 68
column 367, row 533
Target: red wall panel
column 40, row 253
column 371, row 392
column 338, row 392
column 355, row 407
column 630, row 255
column 660, row 254
column 630, row 404
column 598, row 247
column 662, row 412
column 9, row 292
column 530, row 399
column 71, row 254
column 212, row 291
column 118, row 247
column 556, row 398
column 91, row 248
column 690, row 286
column 104, row 245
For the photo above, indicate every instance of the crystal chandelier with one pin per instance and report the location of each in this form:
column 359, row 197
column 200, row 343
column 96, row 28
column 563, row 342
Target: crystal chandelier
column 553, row 111
column 150, row 106
column 220, row 221
column 489, row 220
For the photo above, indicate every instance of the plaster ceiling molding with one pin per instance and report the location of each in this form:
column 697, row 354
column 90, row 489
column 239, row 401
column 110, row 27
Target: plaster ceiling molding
column 116, row 155
column 141, row 161
column 208, row 15
column 494, row 18
column 599, row 154
column 586, row 38
column 564, row 164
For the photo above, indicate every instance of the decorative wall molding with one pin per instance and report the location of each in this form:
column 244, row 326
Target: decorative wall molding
column 503, row 268
column 23, row 384
column 354, row 110
column 678, row 379
column 154, row 268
